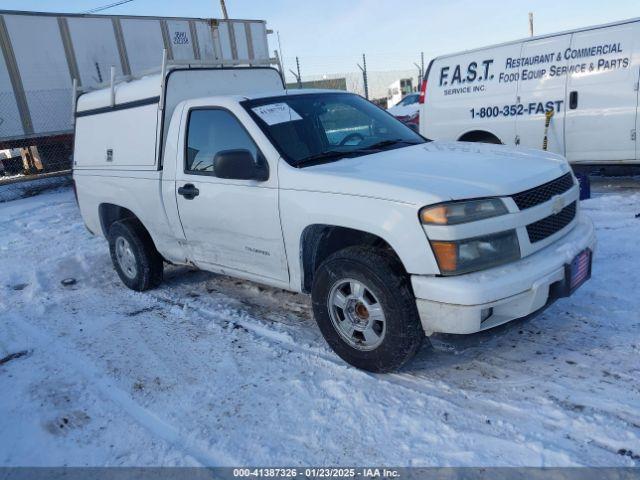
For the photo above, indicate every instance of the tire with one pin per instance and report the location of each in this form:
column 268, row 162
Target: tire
column 480, row 137
column 134, row 256
column 396, row 338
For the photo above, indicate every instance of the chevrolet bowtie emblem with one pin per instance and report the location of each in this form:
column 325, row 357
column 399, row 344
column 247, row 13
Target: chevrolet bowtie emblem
column 557, row 205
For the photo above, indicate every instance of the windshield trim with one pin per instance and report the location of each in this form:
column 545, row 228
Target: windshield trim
column 249, row 103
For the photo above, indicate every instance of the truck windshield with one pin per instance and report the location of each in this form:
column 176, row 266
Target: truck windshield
column 313, row 128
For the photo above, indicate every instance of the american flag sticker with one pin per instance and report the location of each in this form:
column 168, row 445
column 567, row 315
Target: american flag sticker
column 580, row 269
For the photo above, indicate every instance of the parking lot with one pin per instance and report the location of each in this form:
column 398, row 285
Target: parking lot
column 208, row 370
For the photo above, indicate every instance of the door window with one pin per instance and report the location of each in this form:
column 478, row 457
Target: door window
column 211, row 131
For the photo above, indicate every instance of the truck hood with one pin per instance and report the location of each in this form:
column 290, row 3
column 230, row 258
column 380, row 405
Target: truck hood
column 431, row 172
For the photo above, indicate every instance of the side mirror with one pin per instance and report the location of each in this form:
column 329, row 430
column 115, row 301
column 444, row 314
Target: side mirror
column 240, row 165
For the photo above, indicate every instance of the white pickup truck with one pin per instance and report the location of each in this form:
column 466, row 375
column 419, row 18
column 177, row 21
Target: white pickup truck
column 395, row 237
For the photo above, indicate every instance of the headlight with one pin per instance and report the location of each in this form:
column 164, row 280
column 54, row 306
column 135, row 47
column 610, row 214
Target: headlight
column 472, row 254
column 453, row 213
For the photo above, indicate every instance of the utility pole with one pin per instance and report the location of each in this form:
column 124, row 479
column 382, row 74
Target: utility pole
column 420, row 70
column 225, row 15
column 531, row 24
column 280, row 50
column 363, row 68
column 277, row 56
column 297, row 75
column 419, row 74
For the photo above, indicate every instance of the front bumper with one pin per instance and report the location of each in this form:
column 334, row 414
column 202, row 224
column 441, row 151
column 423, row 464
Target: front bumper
column 456, row 304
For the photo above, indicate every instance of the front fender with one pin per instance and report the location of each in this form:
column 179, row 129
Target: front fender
column 395, row 222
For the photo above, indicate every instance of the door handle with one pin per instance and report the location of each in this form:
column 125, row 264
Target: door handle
column 573, row 100
column 189, row 191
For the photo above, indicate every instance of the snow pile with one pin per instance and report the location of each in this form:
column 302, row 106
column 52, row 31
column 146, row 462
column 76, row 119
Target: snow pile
column 211, row 370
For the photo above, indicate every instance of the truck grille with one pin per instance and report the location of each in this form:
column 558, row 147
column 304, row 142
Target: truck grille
column 552, row 224
column 543, row 193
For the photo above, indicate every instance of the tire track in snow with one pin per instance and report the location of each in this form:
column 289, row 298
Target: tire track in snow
column 401, row 381
column 413, row 383
column 141, row 415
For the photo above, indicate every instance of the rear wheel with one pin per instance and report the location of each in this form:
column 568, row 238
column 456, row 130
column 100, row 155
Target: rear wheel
column 366, row 310
column 134, row 256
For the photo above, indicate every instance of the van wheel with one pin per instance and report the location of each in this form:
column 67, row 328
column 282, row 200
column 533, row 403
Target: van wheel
column 134, row 256
column 365, row 309
column 480, row 137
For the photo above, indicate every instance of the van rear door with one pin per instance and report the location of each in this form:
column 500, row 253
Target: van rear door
column 541, row 88
column 601, row 96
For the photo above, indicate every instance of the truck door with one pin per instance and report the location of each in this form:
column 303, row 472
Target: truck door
column 227, row 222
column 541, row 87
column 601, row 96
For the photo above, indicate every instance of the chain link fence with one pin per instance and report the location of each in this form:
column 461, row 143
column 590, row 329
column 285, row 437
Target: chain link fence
column 36, row 132
column 29, row 166
column 381, row 86
column 28, row 187
column 382, row 78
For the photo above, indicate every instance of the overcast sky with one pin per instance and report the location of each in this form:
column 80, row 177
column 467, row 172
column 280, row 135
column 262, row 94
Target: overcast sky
column 331, row 35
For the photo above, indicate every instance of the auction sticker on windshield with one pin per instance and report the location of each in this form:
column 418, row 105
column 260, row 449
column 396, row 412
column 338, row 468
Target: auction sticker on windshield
column 275, row 113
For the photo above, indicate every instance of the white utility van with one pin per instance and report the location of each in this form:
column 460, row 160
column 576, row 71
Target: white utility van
column 322, row 192
column 500, row 94
column 398, row 90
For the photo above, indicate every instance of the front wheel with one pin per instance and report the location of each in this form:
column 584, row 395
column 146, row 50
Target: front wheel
column 365, row 309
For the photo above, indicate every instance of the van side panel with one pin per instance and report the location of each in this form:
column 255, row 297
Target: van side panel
column 540, row 90
column 468, row 92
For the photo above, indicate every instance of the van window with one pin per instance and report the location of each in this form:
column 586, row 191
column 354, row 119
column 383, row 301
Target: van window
column 211, row 131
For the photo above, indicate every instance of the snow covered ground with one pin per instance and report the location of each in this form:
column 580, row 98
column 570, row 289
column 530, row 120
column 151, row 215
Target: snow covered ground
column 210, row 370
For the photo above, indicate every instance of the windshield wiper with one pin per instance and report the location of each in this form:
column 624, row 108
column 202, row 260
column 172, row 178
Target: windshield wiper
column 323, row 157
column 334, row 155
column 386, row 143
